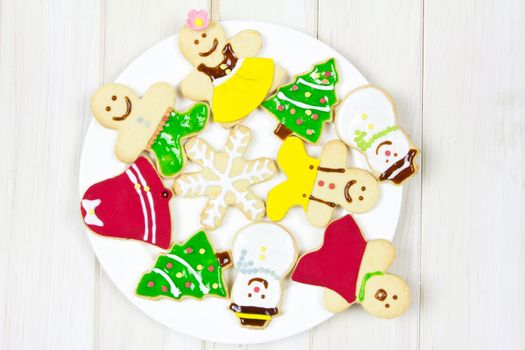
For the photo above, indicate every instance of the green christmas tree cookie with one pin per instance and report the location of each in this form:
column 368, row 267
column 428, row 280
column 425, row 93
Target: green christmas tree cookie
column 192, row 269
column 303, row 106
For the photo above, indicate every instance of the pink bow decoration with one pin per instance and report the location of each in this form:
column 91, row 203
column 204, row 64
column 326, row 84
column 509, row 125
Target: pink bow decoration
column 91, row 218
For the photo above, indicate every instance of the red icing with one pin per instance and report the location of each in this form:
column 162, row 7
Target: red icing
column 281, row 107
column 322, row 100
column 187, row 284
column 299, row 121
column 189, row 250
column 331, row 186
column 295, row 88
column 151, row 284
column 256, row 289
column 169, row 265
column 120, row 208
column 315, row 116
column 211, row 268
column 292, row 111
column 387, row 153
column 327, row 74
column 321, row 183
column 336, row 264
column 164, row 289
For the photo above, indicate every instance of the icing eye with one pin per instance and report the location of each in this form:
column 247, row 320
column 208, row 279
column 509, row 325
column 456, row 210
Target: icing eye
column 395, row 154
column 263, row 296
column 249, row 295
column 196, row 42
column 203, row 35
column 363, row 188
column 113, row 97
column 361, row 198
column 108, row 108
column 381, row 295
column 394, row 297
column 387, row 305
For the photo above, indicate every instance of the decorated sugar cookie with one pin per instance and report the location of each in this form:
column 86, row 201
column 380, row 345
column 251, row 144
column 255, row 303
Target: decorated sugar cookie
column 304, row 106
column 225, row 178
column 132, row 205
column 352, row 270
column 148, row 123
column 319, row 185
column 227, row 74
column 191, row 269
column 367, row 122
column 263, row 255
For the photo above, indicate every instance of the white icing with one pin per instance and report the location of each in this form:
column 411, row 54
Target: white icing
column 223, row 181
column 282, row 96
column 261, row 250
column 173, row 288
column 134, row 181
column 225, row 78
column 202, row 287
column 151, row 205
column 91, row 218
column 379, row 116
column 315, row 86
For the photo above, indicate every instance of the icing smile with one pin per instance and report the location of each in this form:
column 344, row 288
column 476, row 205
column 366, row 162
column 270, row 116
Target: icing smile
column 210, row 51
column 128, row 110
column 347, row 190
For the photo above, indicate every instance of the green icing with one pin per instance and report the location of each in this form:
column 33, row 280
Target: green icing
column 290, row 104
column 366, row 277
column 364, row 144
column 176, row 274
column 167, row 145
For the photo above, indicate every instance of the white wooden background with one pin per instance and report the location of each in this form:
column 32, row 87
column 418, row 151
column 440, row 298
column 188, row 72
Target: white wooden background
column 456, row 69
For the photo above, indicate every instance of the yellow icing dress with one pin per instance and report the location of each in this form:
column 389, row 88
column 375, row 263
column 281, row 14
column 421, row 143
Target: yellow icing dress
column 240, row 85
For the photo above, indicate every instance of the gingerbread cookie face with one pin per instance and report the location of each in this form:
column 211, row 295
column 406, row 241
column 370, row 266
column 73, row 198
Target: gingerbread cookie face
column 367, row 122
column 227, row 74
column 133, row 205
column 192, row 269
column 263, row 255
column 352, row 270
column 149, row 123
column 319, row 185
column 225, row 178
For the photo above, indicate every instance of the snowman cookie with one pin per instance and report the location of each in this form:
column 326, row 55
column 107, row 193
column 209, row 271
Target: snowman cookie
column 352, row 270
column 319, row 185
column 366, row 121
column 227, row 74
column 148, row 124
column 263, row 254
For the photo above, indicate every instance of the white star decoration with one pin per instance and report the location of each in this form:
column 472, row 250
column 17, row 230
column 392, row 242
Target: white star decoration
column 225, row 178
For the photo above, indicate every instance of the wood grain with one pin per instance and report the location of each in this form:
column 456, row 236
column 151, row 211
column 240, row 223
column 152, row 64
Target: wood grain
column 474, row 187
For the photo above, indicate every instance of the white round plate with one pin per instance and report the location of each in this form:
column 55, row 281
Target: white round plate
column 125, row 261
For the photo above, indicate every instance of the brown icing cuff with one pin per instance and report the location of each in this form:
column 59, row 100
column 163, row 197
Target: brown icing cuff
column 224, row 258
column 282, row 131
column 407, row 166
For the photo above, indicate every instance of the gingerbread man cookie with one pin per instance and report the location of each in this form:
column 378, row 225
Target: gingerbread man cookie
column 319, row 185
column 367, row 122
column 352, row 270
column 148, row 123
column 225, row 178
column 227, row 74
column 263, row 254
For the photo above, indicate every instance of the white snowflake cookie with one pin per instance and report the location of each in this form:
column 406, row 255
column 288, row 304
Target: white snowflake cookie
column 225, row 178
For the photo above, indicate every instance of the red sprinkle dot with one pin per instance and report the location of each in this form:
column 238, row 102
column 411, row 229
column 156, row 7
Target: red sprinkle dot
column 295, row 88
column 280, row 108
column 189, row 250
column 322, row 100
column 164, row 289
column 187, row 284
column 327, row 74
column 169, row 265
column 299, row 121
column 256, row 289
column 387, row 153
column 211, row 268
column 292, row 111
column 321, row 183
column 331, row 186
column 151, row 284
column 324, row 81
column 315, row 116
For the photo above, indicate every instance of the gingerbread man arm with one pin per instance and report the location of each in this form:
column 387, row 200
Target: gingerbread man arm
column 379, row 255
column 197, row 86
column 246, row 43
column 162, row 94
column 126, row 150
column 334, row 302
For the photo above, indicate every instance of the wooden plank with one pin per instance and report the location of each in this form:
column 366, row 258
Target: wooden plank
column 474, row 188
column 131, row 27
column 383, row 39
column 47, row 273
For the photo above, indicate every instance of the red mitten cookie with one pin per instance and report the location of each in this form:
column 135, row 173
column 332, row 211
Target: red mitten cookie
column 132, row 205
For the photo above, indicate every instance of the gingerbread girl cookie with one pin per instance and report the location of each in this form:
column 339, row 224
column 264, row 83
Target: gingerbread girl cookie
column 148, row 123
column 319, row 185
column 367, row 122
column 352, row 270
column 227, row 74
